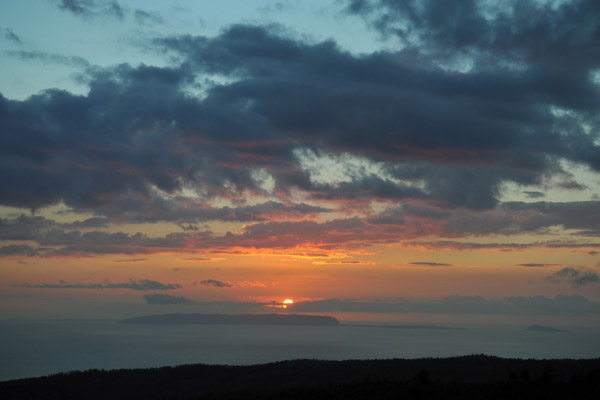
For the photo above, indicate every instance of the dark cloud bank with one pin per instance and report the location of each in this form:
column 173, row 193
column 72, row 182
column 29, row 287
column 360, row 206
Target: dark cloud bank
column 456, row 304
column 559, row 305
column 446, row 138
column 459, row 134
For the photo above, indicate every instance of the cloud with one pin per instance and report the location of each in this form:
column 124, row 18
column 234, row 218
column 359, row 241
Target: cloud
column 534, row 265
column 17, row 249
column 430, row 264
column 250, row 284
column 451, row 304
column 142, row 285
column 313, row 129
column 25, row 227
column 531, row 32
column 99, row 242
column 576, row 276
column 223, row 55
column 91, row 8
column 159, row 298
column 459, row 245
column 11, row 36
column 457, row 304
column 249, row 134
column 93, row 222
column 558, row 305
column 48, row 58
column 590, row 232
column 147, row 18
column 341, row 262
column 216, row 283
column 406, row 223
column 534, row 195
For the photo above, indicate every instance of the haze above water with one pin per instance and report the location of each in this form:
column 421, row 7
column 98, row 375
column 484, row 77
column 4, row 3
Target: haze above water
column 34, row 348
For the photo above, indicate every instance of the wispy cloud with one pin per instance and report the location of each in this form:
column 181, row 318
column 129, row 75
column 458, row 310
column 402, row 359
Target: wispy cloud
column 147, row 18
column 576, row 276
column 539, row 265
column 142, row 285
column 47, row 58
column 534, row 195
column 12, row 36
column 342, row 262
column 251, row 284
column 430, row 264
column 92, row 8
column 216, row 283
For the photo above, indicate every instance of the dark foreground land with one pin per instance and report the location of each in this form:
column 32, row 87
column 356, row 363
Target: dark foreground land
column 471, row 377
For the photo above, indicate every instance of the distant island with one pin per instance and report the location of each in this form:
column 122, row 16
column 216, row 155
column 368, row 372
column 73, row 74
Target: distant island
column 540, row 328
column 404, row 326
column 234, row 319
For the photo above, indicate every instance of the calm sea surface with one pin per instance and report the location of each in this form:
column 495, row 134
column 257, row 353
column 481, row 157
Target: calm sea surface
column 34, row 348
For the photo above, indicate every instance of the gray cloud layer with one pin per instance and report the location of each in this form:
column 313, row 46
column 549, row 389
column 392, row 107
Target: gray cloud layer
column 559, row 305
column 456, row 304
column 407, row 223
column 163, row 299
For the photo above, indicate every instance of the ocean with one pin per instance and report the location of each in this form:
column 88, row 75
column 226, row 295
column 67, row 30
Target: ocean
column 31, row 348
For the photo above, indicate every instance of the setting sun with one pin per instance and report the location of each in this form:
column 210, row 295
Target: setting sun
column 287, row 302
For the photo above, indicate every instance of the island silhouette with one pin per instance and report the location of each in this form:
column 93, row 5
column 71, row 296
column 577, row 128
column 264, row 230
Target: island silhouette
column 541, row 328
column 238, row 319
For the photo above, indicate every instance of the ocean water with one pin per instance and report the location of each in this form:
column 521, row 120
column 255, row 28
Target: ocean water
column 35, row 348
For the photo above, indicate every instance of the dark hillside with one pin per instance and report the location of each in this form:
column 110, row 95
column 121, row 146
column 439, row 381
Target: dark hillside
column 471, row 377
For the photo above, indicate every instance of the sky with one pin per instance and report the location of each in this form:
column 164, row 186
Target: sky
column 376, row 160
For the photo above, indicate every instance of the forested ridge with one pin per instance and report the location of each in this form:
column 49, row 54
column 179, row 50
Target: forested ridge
column 469, row 377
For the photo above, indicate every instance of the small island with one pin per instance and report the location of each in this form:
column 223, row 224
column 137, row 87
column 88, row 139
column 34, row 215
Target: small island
column 234, row 319
column 540, row 328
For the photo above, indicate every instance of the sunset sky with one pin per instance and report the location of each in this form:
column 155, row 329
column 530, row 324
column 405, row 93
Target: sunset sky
column 406, row 160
